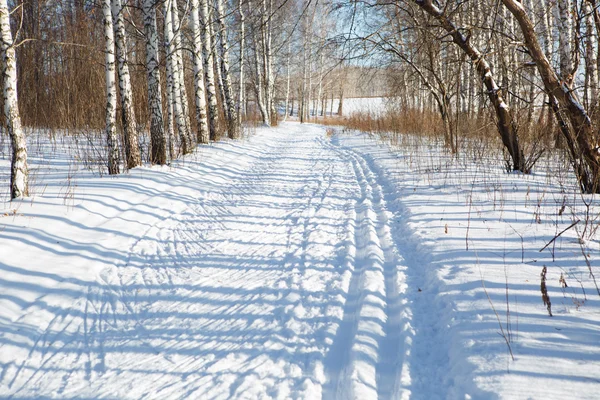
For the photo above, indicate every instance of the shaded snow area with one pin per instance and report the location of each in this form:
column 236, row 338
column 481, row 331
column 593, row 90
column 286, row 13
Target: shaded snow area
column 296, row 264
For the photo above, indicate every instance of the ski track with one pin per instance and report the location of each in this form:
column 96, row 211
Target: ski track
column 287, row 281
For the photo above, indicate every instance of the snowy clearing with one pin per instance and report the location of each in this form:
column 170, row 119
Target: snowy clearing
column 295, row 264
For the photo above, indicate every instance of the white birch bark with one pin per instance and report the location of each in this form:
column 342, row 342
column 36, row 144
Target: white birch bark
column 200, row 99
column 111, row 91
column 209, row 76
column 321, row 65
column 288, row 78
column 218, row 70
column 258, row 81
column 232, row 120
column 173, row 78
column 158, row 145
column 19, row 172
column 269, row 80
column 591, row 92
column 171, row 141
column 169, row 51
column 562, row 10
column 240, row 104
column 132, row 148
column 180, row 80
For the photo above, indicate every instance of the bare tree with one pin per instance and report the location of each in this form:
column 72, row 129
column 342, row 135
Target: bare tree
column 158, row 153
column 581, row 136
column 111, row 91
column 505, row 123
column 230, row 109
column 174, row 78
column 132, row 148
column 200, row 100
column 18, row 171
column 211, row 91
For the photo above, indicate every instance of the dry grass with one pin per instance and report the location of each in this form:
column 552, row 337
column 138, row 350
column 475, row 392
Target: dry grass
column 474, row 133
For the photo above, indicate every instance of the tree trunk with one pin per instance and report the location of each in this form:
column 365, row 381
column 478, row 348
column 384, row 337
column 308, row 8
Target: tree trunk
column 180, row 83
column 209, row 75
column 203, row 133
column 158, row 152
column 562, row 10
column 111, row 91
column 173, row 79
column 242, row 86
column 19, row 172
column 287, row 86
column 590, row 59
column 230, row 111
column 132, row 148
column 258, row 82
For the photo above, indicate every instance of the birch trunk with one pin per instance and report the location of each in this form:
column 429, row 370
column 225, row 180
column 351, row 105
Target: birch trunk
column 269, row 80
column 240, row 109
column 217, row 69
column 591, row 73
column 320, row 90
column 19, row 172
column 132, row 148
column 111, row 91
column 200, row 99
column 180, row 80
column 562, row 10
column 158, row 151
column 596, row 17
column 209, row 75
column 287, row 86
column 545, row 18
column 169, row 50
column 232, row 120
column 258, row 84
column 173, row 78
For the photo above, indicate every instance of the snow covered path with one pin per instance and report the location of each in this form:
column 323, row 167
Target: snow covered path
column 293, row 264
column 267, row 269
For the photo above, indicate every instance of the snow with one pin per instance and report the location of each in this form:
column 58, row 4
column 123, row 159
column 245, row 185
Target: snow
column 369, row 105
column 291, row 264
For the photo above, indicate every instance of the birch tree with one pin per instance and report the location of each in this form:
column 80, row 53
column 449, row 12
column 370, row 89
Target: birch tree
column 158, row 143
column 562, row 10
column 230, row 109
column 200, row 100
column 258, row 75
column 180, row 78
column 132, row 148
column 173, row 79
column 242, row 86
column 111, row 91
column 209, row 75
column 19, row 172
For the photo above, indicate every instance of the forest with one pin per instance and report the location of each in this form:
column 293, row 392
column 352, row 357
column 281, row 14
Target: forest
column 191, row 72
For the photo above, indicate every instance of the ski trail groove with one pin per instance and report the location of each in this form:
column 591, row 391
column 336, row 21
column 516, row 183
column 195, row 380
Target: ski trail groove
column 370, row 342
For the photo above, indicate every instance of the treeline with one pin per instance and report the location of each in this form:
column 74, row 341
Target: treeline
column 528, row 66
column 181, row 72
